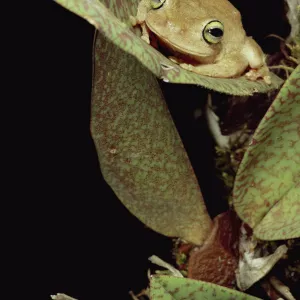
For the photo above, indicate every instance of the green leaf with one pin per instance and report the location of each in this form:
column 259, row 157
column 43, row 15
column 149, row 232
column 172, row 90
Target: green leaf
column 111, row 18
column 141, row 155
column 267, row 186
column 168, row 288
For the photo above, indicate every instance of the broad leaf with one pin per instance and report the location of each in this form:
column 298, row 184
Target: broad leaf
column 141, row 155
column 169, row 288
column 111, row 18
column 267, row 186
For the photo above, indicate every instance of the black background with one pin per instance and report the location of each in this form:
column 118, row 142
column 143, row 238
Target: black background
column 68, row 231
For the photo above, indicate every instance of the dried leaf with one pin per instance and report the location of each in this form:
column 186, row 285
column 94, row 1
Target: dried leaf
column 217, row 259
column 293, row 16
column 281, row 288
column 252, row 265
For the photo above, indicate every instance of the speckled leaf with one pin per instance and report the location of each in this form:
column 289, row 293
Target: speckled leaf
column 140, row 152
column 169, row 288
column 111, row 18
column 267, row 186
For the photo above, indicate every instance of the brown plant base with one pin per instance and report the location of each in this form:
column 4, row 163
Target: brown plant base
column 217, row 260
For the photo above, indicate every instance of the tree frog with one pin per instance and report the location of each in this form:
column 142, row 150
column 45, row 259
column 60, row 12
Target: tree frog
column 203, row 36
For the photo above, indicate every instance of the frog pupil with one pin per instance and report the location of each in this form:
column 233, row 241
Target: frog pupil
column 216, row 32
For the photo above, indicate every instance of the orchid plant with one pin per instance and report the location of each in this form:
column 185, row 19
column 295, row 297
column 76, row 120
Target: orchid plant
column 143, row 159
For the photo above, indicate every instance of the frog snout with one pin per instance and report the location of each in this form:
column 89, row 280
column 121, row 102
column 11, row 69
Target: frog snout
column 253, row 53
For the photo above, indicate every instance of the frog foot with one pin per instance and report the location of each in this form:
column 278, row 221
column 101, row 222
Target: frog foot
column 255, row 74
column 177, row 61
column 133, row 20
column 187, row 67
column 145, row 38
column 145, row 33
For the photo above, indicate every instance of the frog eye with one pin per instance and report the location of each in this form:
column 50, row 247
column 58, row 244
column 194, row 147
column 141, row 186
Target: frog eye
column 157, row 3
column 213, row 32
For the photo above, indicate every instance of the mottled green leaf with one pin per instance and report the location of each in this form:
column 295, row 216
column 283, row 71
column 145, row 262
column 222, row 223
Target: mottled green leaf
column 141, row 155
column 267, row 186
column 111, row 18
column 169, row 288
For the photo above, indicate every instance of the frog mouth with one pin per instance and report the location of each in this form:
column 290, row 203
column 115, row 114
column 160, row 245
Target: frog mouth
column 174, row 48
column 185, row 56
column 182, row 50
